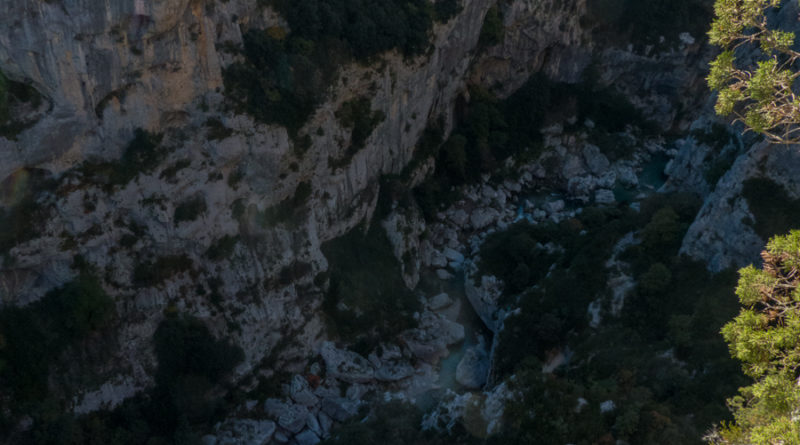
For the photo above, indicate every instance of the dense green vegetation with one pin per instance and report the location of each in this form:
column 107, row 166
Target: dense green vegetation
column 142, row 155
column 285, row 75
column 513, row 256
column 772, row 207
column 282, row 79
column 152, row 273
column 190, row 209
column 645, row 22
column 289, row 211
column 185, row 401
column 661, row 361
column 366, row 28
column 490, row 130
column 367, row 300
column 216, row 130
column 444, row 10
column 765, row 337
column 34, row 339
column 22, row 219
column 222, row 248
column 16, row 97
column 492, row 30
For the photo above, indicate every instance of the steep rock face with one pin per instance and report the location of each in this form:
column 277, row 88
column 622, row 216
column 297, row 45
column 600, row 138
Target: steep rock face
column 144, row 59
column 723, row 233
column 538, row 36
column 112, row 67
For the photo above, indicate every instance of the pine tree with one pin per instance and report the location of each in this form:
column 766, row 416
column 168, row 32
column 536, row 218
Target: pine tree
column 765, row 337
column 756, row 70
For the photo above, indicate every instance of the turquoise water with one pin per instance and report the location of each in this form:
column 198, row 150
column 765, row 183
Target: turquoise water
column 651, row 178
column 473, row 326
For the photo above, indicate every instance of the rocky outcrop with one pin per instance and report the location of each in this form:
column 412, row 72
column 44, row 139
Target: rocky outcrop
column 722, row 234
column 473, row 369
column 481, row 413
column 538, row 36
column 158, row 66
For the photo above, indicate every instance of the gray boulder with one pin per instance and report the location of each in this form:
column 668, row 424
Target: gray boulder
column 339, row 408
column 294, row 418
column 439, row 301
column 604, row 196
column 473, row 369
column 430, row 340
column 346, row 365
column 393, row 372
column 307, row 437
column 482, row 217
column 301, row 392
column 595, row 160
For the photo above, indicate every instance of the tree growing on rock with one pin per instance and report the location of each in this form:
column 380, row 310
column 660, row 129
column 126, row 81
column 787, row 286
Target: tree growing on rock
column 756, row 71
column 765, row 337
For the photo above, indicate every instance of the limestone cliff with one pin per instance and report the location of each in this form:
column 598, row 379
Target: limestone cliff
column 227, row 223
column 112, row 67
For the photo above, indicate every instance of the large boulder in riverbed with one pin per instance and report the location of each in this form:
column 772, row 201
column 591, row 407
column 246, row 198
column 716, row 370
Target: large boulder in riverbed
column 430, row 340
column 473, row 369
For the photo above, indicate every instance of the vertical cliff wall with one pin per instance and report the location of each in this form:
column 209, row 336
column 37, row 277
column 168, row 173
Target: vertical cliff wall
column 109, row 68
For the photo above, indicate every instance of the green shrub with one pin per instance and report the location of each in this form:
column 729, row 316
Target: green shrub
column 367, row 28
column 357, row 116
column 663, row 232
column 163, row 268
column 492, row 30
column 446, row 9
column 190, row 209
column 142, row 155
column 169, row 173
column 184, row 347
column 655, row 280
column 222, row 248
column 12, row 96
column 290, row 211
column 764, row 337
column 216, row 130
column 645, row 22
column 21, row 221
column 774, row 210
column 185, row 402
column 281, row 81
column 367, row 299
column 33, row 338
column 512, row 255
